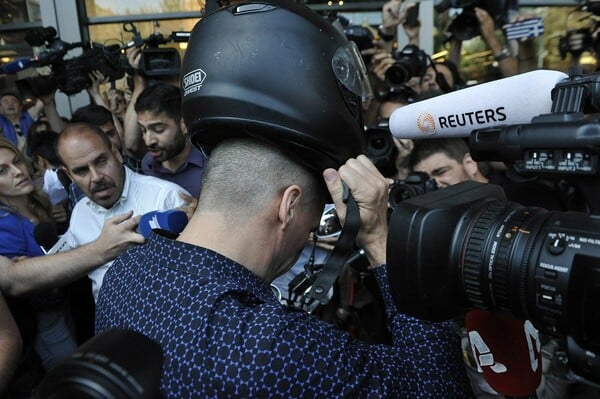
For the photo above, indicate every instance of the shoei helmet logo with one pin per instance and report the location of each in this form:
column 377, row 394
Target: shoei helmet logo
column 426, row 123
column 192, row 81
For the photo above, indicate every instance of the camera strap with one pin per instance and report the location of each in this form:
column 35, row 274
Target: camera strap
column 343, row 250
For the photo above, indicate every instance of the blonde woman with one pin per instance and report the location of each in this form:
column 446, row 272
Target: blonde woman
column 40, row 317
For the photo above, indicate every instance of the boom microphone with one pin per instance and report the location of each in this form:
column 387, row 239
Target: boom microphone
column 507, row 350
column 172, row 221
column 512, row 100
column 16, row 65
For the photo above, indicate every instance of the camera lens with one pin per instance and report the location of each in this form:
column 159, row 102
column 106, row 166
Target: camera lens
column 401, row 192
column 465, row 26
column 397, row 74
column 496, row 255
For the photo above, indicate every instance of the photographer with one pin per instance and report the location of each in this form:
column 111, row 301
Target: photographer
column 449, row 162
column 263, row 192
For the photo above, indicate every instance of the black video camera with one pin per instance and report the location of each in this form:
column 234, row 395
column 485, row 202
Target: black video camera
column 71, row 74
column 465, row 25
column 466, row 247
column 157, row 61
column 409, row 62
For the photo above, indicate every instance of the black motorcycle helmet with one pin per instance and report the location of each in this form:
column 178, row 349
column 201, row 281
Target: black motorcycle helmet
column 276, row 71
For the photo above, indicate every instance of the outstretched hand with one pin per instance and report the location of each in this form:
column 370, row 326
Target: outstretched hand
column 118, row 234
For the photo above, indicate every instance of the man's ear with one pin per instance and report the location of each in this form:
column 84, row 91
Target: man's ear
column 288, row 206
column 40, row 162
column 471, row 167
column 116, row 152
column 66, row 170
column 183, row 126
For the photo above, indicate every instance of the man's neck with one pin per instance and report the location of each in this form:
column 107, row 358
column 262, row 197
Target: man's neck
column 239, row 244
column 13, row 118
column 175, row 163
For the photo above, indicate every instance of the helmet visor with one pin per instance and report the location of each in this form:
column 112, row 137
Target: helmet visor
column 350, row 70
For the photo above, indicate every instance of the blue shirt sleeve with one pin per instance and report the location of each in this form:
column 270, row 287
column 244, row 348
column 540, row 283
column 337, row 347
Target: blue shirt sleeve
column 16, row 236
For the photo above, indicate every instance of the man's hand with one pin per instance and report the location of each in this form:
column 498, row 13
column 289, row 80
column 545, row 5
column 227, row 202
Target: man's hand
column 391, row 16
column 190, row 204
column 370, row 190
column 381, row 63
column 59, row 214
column 118, row 234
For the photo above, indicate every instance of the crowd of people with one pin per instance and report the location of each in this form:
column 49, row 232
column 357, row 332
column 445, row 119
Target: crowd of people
column 251, row 153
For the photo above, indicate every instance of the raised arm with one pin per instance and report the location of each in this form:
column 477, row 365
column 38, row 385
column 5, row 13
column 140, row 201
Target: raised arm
column 131, row 131
column 45, row 272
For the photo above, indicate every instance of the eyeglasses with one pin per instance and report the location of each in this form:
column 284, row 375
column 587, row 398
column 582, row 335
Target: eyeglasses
column 329, row 226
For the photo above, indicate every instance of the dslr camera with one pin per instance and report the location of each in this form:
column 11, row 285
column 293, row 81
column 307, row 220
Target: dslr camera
column 409, row 62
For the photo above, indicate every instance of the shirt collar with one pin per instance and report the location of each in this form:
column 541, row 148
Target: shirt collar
column 222, row 269
column 195, row 157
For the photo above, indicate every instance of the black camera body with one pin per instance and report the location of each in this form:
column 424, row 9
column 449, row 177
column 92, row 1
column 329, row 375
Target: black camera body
column 71, row 75
column 157, row 61
column 415, row 184
column 465, row 246
column 380, row 148
column 410, row 61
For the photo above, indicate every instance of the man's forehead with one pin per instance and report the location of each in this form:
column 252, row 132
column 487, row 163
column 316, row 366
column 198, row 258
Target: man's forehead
column 108, row 126
column 150, row 117
column 437, row 160
column 8, row 97
column 82, row 145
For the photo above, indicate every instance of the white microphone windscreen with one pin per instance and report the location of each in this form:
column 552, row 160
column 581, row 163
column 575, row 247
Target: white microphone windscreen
column 513, row 100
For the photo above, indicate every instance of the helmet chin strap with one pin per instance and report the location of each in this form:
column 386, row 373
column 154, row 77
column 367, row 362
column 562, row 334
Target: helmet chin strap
column 343, row 250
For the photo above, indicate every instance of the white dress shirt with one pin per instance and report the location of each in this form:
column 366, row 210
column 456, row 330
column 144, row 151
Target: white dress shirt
column 141, row 193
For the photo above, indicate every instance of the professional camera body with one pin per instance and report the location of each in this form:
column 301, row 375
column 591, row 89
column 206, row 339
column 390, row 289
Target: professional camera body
column 157, row 61
column 465, row 246
column 465, row 25
column 410, row 61
column 71, row 75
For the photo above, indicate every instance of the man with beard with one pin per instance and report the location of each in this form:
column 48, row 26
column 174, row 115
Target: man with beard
column 96, row 166
column 170, row 155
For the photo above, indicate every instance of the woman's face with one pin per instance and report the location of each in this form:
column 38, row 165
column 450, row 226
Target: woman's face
column 14, row 176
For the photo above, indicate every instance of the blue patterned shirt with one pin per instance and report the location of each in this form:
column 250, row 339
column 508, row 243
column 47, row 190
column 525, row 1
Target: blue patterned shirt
column 225, row 335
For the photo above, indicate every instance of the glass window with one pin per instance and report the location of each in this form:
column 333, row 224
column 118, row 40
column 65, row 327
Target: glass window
column 112, row 33
column 557, row 48
column 103, row 8
column 17, row 16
